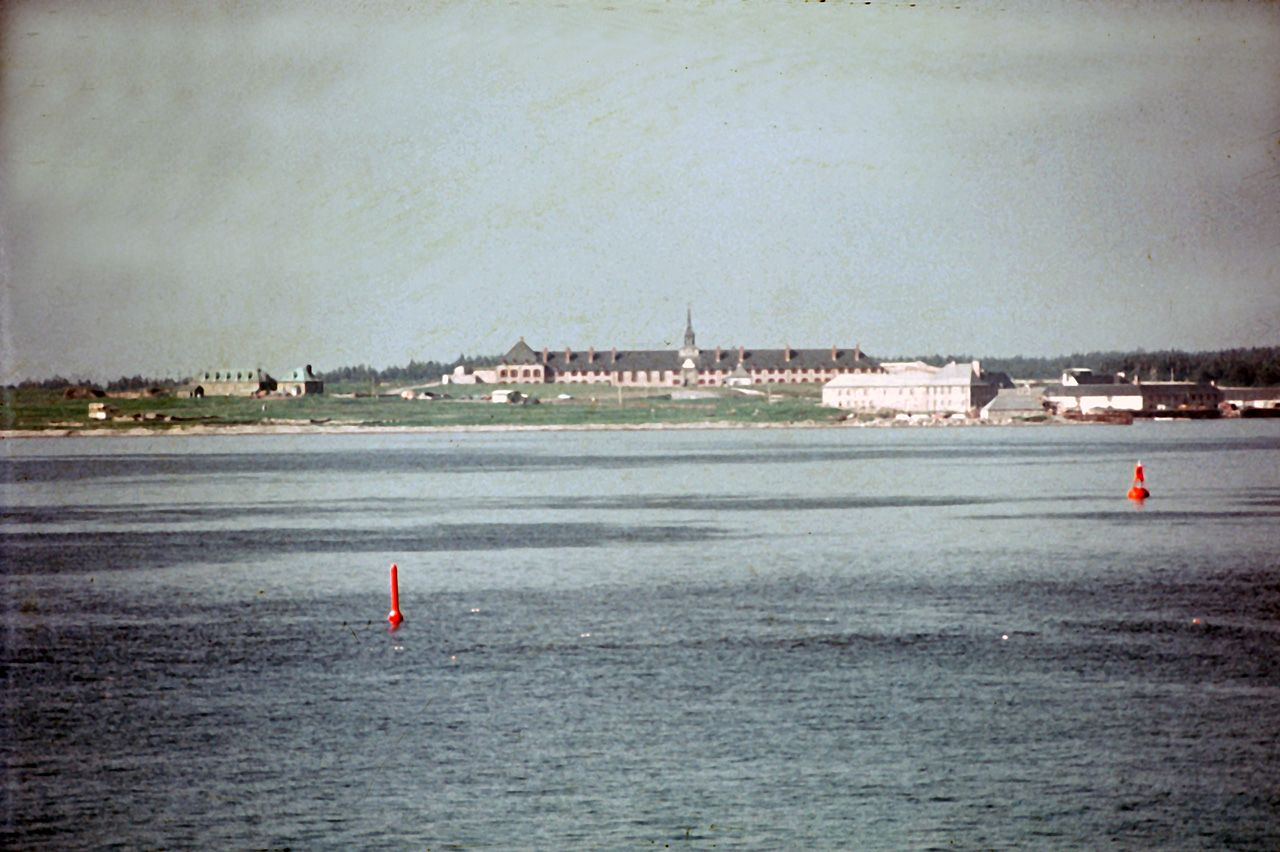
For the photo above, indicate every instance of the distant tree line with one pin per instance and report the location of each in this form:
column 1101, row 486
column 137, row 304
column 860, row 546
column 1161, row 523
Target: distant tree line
column 415, row 372
column 121, row 384
column 411, row 373
column 1255, row 367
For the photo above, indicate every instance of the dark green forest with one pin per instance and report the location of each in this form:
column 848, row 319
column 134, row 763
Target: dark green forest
column 1254, row 367
column 415, row 372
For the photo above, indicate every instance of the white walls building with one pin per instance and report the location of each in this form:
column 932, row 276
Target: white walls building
column 915, row 387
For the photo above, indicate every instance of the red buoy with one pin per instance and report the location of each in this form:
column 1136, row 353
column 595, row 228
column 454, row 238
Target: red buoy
column 1138, row 491
column 395, row 617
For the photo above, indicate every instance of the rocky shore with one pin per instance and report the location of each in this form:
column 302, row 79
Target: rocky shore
column 285, row 427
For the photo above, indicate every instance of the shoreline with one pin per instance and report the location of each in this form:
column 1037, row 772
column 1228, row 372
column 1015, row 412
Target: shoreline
column 287, row 428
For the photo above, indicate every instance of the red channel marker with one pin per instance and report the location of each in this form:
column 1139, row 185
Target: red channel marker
column 395, row 617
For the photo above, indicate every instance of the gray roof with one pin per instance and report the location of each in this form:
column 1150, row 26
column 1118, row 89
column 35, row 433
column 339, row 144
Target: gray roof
column 1251, row 394
column 300, row 374
column 1127, row 389
column 234, row 374
column 1016, row 399
column 1122, row 389
column 520, row 354
column 999, row 379
column 615, row 360
column 1086, row 376
column 950, row 375
column 1186, row 387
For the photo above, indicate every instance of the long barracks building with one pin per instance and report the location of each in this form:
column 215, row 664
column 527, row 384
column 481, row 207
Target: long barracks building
column 684, row 367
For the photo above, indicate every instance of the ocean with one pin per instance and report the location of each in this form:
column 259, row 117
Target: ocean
column 741, row 639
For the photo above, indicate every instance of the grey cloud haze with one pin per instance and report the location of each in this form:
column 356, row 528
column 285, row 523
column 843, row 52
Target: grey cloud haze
column 187, row 185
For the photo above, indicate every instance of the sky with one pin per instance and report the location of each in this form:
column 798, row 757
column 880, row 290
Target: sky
column 193, row 185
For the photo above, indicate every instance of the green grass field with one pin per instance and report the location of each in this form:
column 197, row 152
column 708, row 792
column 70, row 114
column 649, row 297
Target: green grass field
column 44, row 410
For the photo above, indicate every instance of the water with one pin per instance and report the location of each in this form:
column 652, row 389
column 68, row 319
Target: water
column 775, row 639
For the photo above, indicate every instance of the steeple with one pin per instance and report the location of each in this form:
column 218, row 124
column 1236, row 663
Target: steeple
column 689, row 353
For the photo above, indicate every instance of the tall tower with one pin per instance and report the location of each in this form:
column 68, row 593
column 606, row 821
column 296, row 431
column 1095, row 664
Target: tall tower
column 690, row 348
column 689, row 353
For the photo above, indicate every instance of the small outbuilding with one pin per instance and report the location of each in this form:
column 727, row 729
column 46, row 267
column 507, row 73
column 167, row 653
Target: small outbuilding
column 300, row 381
column 82, row 392
column 1014, row 404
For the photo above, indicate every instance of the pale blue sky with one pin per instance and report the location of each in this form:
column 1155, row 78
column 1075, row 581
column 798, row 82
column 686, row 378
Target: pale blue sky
column 187, row 185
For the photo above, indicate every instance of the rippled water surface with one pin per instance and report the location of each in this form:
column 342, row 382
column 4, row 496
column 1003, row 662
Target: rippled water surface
column 742, row 639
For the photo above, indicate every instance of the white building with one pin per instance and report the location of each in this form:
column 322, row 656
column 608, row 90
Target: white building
column 1094, row 398
column 916, row 387
column 463, row 375
column 1082, row 392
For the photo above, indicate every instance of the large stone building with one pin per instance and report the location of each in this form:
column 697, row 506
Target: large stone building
column 684, row 367
column 232, row 382
column 253, row 382
column 916, row 387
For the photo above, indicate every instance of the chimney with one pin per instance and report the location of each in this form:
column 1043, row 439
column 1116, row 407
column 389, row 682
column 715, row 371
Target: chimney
column 742, row 354
column 718, row 356
column 591, row 355
column 786, row 351
column 567, row 354
column 613, row 355
column 544, row 354
column 857, row 352
column 834, row 353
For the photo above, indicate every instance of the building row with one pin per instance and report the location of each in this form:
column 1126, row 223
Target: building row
column 850, row 380
column 917, row 388
column 688, row 366
column 1083, row 392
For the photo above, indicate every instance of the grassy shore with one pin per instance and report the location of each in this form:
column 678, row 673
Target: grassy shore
column 42, row 411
